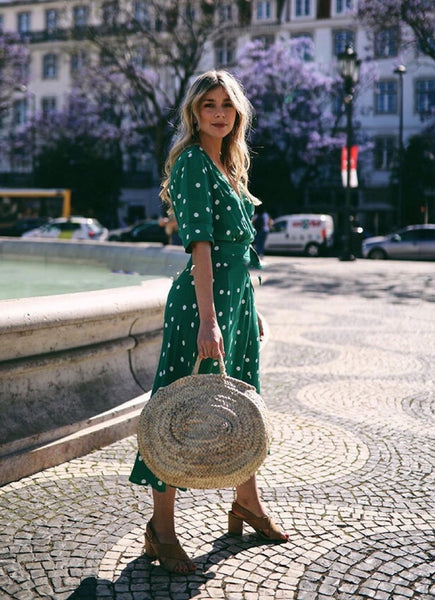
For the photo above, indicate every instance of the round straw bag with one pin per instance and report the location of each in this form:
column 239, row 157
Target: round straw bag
column 204, row 431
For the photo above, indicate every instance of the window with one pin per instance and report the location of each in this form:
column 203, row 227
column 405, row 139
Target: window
column 110, row 13
column 386, row 97
column 342, row 38
column 23, row 22
column 225, row 13
column 139, row 57
column 342, row 6
column 303, row 8
column 306, row 48
column 49, row 66
column 48, row 105
column 80, row 16
column 424, row 96
column 141, row 15
column 79, row 60
column 51, row 20
column 384, row 152
column 266, row 40
column 225, row 52
column 20, row 111
column 387, row 42
column 264, row 10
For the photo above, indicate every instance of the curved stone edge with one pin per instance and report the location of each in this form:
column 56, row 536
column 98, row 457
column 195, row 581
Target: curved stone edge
column 70, row 366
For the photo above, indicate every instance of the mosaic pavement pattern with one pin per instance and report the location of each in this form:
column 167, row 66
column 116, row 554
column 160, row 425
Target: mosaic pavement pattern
column 348, row 374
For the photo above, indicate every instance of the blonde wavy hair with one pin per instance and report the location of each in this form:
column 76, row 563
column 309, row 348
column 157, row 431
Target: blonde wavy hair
column 235, row 152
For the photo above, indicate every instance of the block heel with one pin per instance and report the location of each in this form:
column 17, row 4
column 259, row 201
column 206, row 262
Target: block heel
column 235, row 524
column 264, row 527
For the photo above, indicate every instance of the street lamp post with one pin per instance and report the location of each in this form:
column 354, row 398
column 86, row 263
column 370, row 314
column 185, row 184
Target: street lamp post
column 348, row 65
column 400, row 71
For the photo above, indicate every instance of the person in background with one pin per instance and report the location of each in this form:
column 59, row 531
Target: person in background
column 262, row 224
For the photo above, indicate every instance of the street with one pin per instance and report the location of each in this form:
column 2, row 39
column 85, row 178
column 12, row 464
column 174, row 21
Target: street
column 348, row 374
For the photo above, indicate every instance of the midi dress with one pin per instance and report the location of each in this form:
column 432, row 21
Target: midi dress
column 208, row 209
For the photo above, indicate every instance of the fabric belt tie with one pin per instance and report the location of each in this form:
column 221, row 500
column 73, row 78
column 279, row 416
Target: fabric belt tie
column 228, row 250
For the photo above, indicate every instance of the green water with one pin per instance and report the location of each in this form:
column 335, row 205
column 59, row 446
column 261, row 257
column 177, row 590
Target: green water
column 29, row 278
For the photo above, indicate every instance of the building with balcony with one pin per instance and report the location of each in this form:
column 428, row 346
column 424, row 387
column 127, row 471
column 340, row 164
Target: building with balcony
column 56, row 32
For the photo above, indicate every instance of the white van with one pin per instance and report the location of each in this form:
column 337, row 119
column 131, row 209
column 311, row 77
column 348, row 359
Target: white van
column 307, row 234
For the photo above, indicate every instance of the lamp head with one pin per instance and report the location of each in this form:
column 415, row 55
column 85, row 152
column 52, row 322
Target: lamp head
column 349, row 64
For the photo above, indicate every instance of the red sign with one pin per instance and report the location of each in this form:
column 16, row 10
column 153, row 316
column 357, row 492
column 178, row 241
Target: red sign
column 353, row 163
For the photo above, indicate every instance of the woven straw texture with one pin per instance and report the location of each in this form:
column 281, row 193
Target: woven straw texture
column 205, row 432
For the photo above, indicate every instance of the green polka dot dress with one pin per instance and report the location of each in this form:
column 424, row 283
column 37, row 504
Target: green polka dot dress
column 208, row 209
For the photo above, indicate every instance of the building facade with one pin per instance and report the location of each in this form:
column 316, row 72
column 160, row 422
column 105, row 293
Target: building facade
column 55, row 32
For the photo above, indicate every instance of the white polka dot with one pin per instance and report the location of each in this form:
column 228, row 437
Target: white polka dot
column 143, row 481
column 238, row 369
column 221, row 292
column 184, row 307
column 215, row 186
column 196, row 214
column 228, row 232
column 198, row 185
column 171, row 369
column 140, row 458
column 217, row 217
column 197, row 231
column 160, row 482
column 218, row 264
column 228, row 207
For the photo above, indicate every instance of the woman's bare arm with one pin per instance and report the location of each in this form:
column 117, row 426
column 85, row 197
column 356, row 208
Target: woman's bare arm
column 210, row 341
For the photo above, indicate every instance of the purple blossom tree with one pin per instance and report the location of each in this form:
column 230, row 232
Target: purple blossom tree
column 293, row 98
column 14, row 59
column 414, row 18
column 80, row 147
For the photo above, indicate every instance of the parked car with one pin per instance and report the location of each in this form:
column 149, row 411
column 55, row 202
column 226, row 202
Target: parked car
column 22, row 225
column 145, row 231
column 308, row 234
column 71, row 228
column 413, row 242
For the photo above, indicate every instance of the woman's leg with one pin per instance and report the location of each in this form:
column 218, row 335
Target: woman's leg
column 247, row 496
column 248, row 507
column 163, row 526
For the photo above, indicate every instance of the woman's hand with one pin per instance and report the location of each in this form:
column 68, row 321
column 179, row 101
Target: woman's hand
column 261, row 328
column 210, row 341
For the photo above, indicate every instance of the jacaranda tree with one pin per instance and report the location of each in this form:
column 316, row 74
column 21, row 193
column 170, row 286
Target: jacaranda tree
column 296, row 130
column 414, row 19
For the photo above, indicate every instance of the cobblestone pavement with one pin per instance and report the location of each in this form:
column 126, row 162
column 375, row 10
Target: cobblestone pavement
column 349, row 377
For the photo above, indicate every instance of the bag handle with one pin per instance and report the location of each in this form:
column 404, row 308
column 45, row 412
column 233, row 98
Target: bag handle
column 220, row 360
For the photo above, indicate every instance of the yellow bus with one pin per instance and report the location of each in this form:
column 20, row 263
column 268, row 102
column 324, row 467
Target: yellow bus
column 17, row 205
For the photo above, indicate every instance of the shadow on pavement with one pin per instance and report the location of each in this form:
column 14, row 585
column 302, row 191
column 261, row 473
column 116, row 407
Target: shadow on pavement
column 391, row 286
column 156, row 582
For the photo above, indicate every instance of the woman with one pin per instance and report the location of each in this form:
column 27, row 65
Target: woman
column 210, row 309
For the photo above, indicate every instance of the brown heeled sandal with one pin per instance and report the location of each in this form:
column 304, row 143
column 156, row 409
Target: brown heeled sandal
column 263, row 526
column 168, row 555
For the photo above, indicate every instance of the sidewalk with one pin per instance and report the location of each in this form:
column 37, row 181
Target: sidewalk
column 348, row 374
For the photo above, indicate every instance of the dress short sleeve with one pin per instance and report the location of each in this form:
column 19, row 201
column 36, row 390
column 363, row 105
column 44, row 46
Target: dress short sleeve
column 192, row 198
